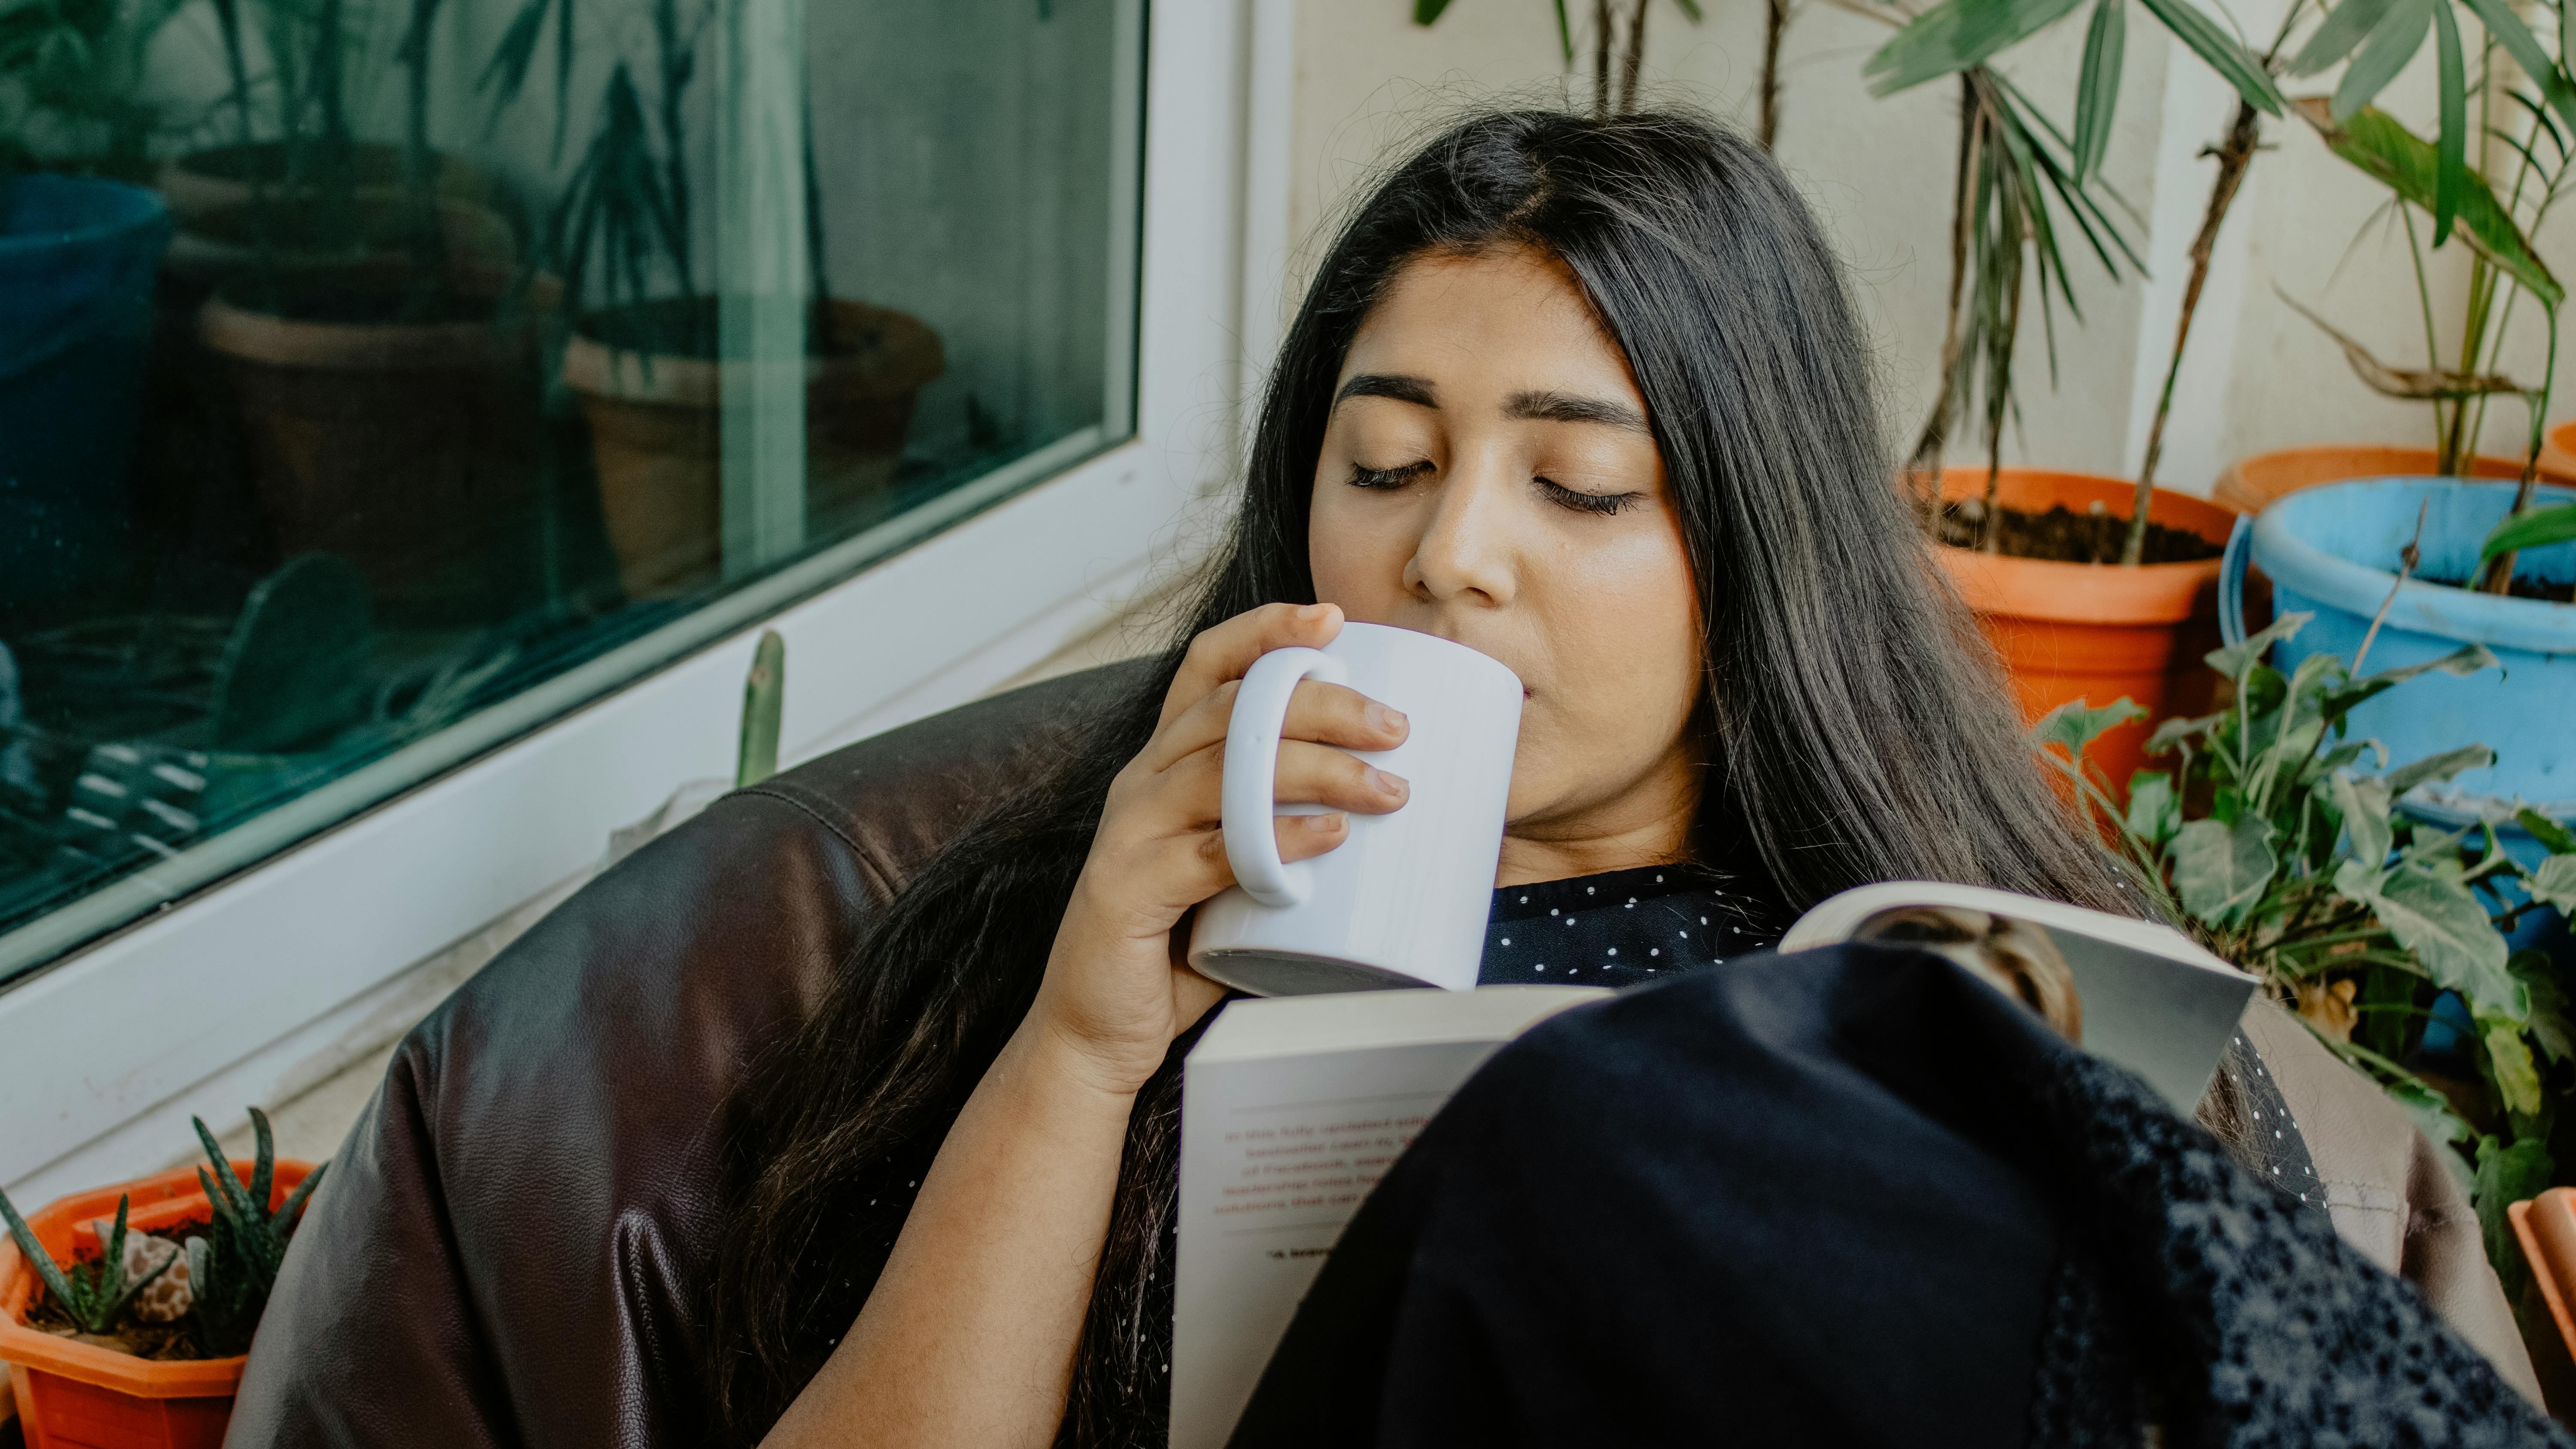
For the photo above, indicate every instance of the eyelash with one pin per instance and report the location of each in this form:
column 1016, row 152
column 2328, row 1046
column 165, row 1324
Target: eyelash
column 1604, row 504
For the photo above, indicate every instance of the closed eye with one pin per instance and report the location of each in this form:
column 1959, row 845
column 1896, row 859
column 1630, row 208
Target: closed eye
column 1582, row 502
column 1363, row 476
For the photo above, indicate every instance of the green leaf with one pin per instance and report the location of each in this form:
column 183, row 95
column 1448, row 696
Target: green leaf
column 2558, row 838
column 2451, row 139
column 2221, row 870
column 2431, row 1111
column 2535, row 529
column 2555, row 883
column 2177, row 731
column 2508, row 1175
column 2364, row 807
column 2374, row 141
column 1954, row 35
column 2445, row 928
column 2549, row 1024
column 2155, row 811
column 2233, row 661
column 2097, row 85
column 1427, row 11
column 2518, row 41
column 35, row 1255
column 1564, row 31
column 2437, row 767
column 1690, row 8
column 2222, row 52
column 2074, row 726
column 2517, row 1079
column 2345, row 27
column 2390, row 45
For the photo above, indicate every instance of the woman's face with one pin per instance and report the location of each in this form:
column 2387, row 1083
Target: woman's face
column 1487, row 477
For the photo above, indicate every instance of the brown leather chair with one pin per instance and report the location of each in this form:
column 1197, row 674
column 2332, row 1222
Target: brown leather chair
column 504, row 1251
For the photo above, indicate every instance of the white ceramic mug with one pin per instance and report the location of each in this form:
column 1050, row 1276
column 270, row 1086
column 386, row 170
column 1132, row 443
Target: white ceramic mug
column 1402, row 901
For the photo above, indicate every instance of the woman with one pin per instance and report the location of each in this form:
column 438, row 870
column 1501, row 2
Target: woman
column 1586, row 395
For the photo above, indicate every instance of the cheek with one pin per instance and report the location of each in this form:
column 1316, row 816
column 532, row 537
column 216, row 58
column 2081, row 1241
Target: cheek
column 1629, row 648
column 1357, row 559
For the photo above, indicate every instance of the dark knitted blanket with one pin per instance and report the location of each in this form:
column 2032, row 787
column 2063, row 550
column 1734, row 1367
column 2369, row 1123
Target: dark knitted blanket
column 1851, row 1196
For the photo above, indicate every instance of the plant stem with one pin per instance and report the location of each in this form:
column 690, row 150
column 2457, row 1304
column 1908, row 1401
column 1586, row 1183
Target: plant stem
column 1927, row 447
column 2432, row 339
column 1600, row 60
column 2498, row 578
column 2407, row 558
column 1775, row 23
column 2235, row 156
column 1633, row 59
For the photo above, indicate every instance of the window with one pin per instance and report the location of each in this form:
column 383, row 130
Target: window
column 382, row 379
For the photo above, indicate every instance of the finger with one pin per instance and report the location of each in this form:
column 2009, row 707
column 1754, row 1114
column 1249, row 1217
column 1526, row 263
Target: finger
column 1298, row 837
column 1311, row 774
column 1330, row 714
column 1226, row 651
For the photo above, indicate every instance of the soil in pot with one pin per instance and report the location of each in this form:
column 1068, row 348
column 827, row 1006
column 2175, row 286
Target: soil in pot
column 2070, row 629
column 396, row 427
column 2062, row 534
column 653, row 391
column 152, row 1342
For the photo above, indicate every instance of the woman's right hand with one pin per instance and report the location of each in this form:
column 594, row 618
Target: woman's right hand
column 1116, row 990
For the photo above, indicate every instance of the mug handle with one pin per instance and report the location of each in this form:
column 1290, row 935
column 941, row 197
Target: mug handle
column 1249, row 796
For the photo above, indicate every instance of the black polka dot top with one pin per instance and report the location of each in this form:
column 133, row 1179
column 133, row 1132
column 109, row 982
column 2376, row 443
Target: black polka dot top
column 1624, row 927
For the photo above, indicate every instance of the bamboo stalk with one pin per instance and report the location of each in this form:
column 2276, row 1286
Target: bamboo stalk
column 2235, row 155
column 1775, row 23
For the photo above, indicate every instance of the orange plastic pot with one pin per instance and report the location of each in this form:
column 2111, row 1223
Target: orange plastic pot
column 79, row 1396
column 2096, row 632
column 2256, row 481
column 2558, row 454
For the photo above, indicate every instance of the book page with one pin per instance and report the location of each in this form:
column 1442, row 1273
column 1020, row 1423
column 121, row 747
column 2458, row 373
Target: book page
column 1276, row 1155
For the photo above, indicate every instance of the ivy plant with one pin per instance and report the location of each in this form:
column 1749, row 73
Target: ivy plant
column 2277, row 839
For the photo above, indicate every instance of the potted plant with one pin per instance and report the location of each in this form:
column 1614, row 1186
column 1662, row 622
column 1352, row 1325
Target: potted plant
column 385, row 358
column 2026, row 547
column 644, row 353
column 135, row 1335
column 2278, row 837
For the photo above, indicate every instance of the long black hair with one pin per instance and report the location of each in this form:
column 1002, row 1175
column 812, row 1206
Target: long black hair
column 1853, row 726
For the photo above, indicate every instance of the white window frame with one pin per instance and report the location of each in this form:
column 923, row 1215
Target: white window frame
column 211, row 1002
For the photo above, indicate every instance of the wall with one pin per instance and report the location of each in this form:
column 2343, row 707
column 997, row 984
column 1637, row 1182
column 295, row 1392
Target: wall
column 1878, row 173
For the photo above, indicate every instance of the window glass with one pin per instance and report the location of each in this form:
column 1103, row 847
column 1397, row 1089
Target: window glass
column 379, row 378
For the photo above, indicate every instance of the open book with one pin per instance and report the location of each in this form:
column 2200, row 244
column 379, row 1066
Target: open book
column 1294, row 1107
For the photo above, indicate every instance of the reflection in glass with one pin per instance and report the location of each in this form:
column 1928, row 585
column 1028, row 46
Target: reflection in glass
column 366, row 364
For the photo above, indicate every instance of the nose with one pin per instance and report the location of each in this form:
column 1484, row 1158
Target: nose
column 1466, row 551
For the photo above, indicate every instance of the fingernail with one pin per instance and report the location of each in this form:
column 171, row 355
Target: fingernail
column 1388, row 784
column 1310, row 613
column 1384, row 719
column 1325, row 824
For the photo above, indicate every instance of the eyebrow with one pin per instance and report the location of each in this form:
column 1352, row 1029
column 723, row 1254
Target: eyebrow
column 1396, row 385
column 1559, row 407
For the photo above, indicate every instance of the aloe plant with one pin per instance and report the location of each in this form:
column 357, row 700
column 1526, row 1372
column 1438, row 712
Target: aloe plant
column 232, row 1268
column 2274, row 841
column 92, row 1295
column 764, row 704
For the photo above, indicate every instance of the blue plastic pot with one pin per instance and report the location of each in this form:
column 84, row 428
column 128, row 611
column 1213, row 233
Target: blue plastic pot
column 2333, row 551
column 77, row 260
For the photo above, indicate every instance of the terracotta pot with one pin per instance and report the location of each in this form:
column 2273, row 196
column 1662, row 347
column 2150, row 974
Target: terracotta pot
column 221, row 176
column 412, row 449
column 2558, row 454
column 2251, row 483
column 654, row 432
column 79, row 1396
column 2096, row 632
